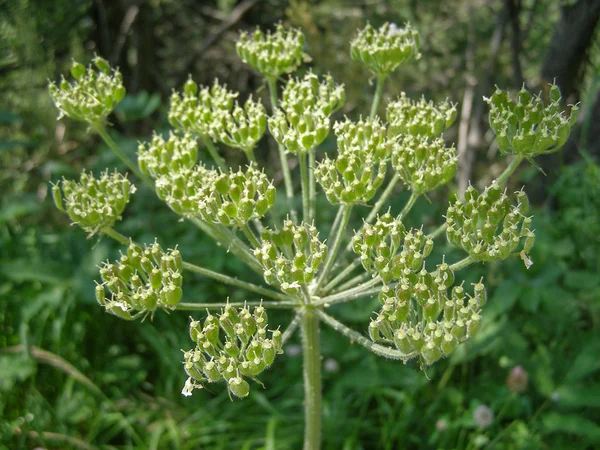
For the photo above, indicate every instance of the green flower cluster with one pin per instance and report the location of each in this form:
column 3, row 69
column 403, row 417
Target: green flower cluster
column 378, row 243
column 419, row 118
column 93, row 203
column 358, row 171
column 272, row 54
column 197, row 109
column 93, row 94
column 141, row 281
column 385, row 49
column 230, row 347
column 525, row 126
column 488, row 227
column 423, row 319
column 424, row 163
column 291, row 256
column 160, row 157
column 230, row 199
column 241, row 127
column 302, row 123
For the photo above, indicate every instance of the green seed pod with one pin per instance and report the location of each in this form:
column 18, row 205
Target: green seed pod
column 402, row 342
column 211, row 372
column 449, row 344
column 239, row 387
column 430, row 353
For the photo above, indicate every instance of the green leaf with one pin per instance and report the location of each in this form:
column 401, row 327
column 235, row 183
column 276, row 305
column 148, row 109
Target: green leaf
column 19, row 207
column 582, row 279
column 586, row 362
column 572, row 424
column 580, row 396
column 503, row 299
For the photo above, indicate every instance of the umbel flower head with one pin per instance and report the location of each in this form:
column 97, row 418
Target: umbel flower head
column 488, row 227
column 358, row 171
column 197, row 108
column 145, row 278
column 159, row 156
column 242, row 127
column 419, row 118
column 302, row 123
column 525, row 126
column 272, row 54
column 92, row 95
column 230, row 199
column 385, row 49
column 291, row 256
column 93, row 203
column 230, row 347
column 310, row 93
column 421, row 315
column 424, row 163
column 378, row 244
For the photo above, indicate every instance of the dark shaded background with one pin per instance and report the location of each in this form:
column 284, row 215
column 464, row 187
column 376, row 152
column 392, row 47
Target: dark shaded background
column 73, row 377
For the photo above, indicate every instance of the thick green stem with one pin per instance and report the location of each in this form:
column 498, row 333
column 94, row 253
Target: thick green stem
column 287, row 177
column 304, row 177
column 411, row 201
column 312, row 380
column 336, row 240
column 439, row 230
column 312, row 187
column 354, row 336
column 462, row 264
column 214, row 153
column 503, row 178
column 250, row 156
column 251, row 237
column 378, row 95
column 115, row 148
column 203, row 306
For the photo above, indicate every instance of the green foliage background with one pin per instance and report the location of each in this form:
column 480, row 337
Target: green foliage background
column 73, row 377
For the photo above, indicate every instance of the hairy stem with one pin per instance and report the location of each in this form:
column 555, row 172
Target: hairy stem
column 235, row 282
column 312, row 380
column 115, row 148
column 304, row 178
column 354, row 336
column 378, row 95
column 312, row 187
column 201, row 306
column 287, row 177
column 462, row 263
column 355, row 292
column 343, row 274
column 212, row 150
column 344, row 213
column 291, row 328
column 354, row 281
